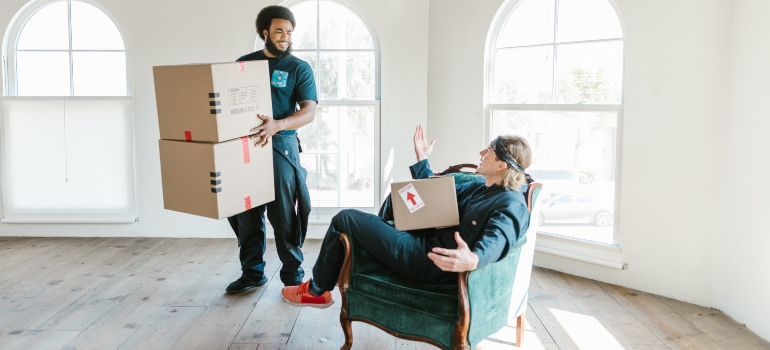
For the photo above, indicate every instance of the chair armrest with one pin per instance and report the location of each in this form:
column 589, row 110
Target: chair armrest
column 489, row 294
column 344, row 281
column 356, row 260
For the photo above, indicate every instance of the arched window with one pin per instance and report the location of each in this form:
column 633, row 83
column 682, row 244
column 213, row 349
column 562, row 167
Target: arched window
column 555, row 76
column 66, row 84
column 341, row 146
column 68, row 48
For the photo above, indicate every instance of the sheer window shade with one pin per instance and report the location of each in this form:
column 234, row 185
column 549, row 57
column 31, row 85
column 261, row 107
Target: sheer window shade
column 67, row 159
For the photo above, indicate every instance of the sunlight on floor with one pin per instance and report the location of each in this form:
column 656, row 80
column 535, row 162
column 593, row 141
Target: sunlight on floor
column 585, row 331
column 505, row 339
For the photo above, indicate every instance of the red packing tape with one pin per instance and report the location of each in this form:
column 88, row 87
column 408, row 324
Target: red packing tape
column 247, row 202
column 246, row 156
column 187, row 135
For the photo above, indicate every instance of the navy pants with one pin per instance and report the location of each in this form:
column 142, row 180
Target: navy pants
column 403, row 252
column 249, row 226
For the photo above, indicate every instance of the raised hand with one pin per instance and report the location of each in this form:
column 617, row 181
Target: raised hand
column 422, row 148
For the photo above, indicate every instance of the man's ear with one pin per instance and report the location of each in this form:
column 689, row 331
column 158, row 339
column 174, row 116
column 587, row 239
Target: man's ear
column 265, row 33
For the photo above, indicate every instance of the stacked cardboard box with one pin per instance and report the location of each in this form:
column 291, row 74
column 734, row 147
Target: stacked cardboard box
column 209, row 166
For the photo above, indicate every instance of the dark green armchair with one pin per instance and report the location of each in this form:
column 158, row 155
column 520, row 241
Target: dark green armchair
column 448, row 316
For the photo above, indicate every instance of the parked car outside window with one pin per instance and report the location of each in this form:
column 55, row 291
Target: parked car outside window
column 578, row 208
column 556, row 181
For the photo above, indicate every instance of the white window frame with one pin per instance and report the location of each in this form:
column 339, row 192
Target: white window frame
column 324, row 215
column 10, row 83
column 602, row 254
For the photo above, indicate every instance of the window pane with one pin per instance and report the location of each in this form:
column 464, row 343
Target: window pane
column 305, row 36
column 587, row 20
column 327, row 80
column 523, row 75
column 342, row 29
column 320, row 152
column 360, row 75
column 43, row 73
column 346, row 75
column 93, row 30
column 99, row 73
column 574, row 155
column 590, row 73
column 531, row 23
column 47, row 29
column 322, row 179
column 340, row 140
column 356, row 156
column 312, row 59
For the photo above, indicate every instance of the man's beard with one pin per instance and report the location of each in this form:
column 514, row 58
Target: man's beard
column 273, row 49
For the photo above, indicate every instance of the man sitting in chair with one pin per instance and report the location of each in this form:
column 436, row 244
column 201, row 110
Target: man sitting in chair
column 493, row 215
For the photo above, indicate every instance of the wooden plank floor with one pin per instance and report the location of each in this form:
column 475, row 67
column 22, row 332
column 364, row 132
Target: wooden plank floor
column 162, row 293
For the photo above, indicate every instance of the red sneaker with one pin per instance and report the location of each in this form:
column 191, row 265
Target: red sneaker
column 300, row 296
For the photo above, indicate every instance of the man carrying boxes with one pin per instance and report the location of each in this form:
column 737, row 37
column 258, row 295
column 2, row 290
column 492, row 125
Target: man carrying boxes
column 291, row 83
column 250, row 174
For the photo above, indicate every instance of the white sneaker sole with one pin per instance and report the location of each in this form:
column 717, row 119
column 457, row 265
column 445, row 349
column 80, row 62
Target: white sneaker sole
column 317, row 306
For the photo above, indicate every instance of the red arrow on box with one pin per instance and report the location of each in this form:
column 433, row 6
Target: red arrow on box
column 410, row 197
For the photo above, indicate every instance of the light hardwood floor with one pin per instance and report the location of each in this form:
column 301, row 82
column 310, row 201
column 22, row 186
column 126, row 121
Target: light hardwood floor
column 161, row 293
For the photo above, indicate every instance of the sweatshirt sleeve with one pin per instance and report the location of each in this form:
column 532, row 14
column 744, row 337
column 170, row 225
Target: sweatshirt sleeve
column 493, row 241
column 421, row 170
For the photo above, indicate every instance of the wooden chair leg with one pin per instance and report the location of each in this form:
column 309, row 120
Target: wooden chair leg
column 520, row 329
column 347, row 329
column 460, row 333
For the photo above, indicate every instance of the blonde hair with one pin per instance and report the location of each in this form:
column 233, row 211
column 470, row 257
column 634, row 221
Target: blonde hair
column 518, row 147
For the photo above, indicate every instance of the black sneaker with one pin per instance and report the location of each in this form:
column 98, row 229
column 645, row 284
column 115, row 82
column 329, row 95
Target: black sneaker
column 243, row 284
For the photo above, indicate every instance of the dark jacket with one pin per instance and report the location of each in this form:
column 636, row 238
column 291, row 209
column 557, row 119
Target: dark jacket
column 492, row 219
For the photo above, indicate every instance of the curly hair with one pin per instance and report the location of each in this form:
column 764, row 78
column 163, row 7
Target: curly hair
column 268, row 14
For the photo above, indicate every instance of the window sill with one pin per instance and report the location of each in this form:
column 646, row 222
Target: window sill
column 70, row 219
column 607, row 255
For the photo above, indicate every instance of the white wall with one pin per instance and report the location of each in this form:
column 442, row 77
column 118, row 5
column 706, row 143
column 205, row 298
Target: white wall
column 746, row 264
column 184, row 31
column 458, row 31
column 673, row 144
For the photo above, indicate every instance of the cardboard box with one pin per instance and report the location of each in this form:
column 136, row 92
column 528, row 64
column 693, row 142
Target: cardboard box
column 424, row 203
column 211, row 102
column 216, row 180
